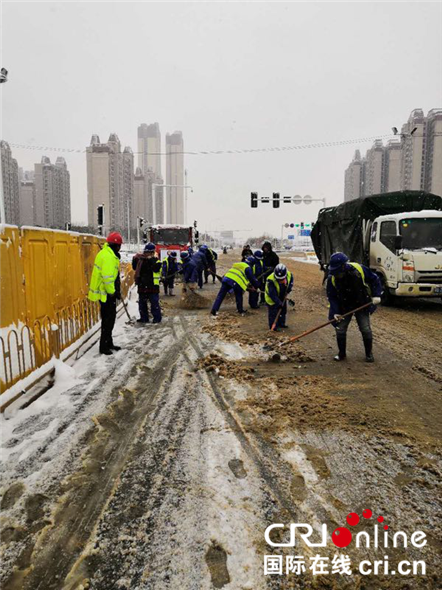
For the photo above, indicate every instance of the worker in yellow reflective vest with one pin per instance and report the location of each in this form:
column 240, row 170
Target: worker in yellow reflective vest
column 278, row 286
column 147, row 269
column 105, row 288
column 239, row 278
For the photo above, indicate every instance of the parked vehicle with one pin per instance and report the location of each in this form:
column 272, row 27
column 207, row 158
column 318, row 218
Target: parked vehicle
column 398, row 235
column 168, row 238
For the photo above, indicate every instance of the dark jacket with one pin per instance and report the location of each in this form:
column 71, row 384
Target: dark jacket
column 349, row 291
column 246, row 252
column 271, row 259
column 144, row 274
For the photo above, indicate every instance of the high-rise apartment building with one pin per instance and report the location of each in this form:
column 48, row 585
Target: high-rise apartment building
column 110, row 182
column 392, row 166
column 10, row 185
column 374, row 169
column 52, row 194
column 353, row 178
column 433, row 152
column 413, row 154
column 175, row 176
column 149, row 148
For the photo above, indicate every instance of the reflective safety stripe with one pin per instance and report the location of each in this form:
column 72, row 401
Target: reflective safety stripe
column 96, row 266
column 360, row 270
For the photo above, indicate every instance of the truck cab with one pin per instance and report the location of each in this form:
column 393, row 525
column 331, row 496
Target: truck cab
column 405, row 250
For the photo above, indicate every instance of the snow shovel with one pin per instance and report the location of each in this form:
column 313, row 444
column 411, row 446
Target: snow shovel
column 278, row 314
column 131, row 320
column 307, row 332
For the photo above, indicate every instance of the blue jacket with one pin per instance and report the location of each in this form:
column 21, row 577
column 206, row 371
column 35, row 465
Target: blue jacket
column 190, row 271
column 200, row 260
column 283, row 291
column 350, row 292
column 170, row 267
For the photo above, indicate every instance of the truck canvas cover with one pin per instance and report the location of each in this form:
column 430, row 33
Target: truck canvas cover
column 340, row 229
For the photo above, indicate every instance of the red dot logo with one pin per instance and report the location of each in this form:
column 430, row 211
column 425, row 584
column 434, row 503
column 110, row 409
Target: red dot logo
column 341, row 537
column 386, row 527
column 380, row 519
column 367, row 513
column 352, row 519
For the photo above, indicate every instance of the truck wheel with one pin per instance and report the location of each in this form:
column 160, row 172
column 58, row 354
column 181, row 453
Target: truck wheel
column 387, row 298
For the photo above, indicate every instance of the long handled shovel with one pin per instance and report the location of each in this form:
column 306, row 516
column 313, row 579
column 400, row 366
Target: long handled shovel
column 131, row 320
column 307, row 332
column 278, row 314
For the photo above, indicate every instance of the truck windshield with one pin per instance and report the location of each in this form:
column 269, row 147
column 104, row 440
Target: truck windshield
column 170, row 236
column 421, row 232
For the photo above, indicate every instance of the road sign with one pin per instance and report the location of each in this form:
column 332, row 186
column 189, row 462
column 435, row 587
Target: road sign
column 291, row 237
column 305, row 233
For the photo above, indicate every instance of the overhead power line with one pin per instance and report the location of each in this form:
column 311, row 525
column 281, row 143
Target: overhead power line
column 322, row 144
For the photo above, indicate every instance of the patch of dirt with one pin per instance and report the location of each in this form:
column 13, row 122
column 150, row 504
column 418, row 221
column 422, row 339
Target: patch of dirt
column 216, row 559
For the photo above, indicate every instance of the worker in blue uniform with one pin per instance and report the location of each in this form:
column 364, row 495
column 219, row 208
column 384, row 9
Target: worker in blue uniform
column 239, row 278
column 278, row 286
column 169, row 271
column 258, row 272
column 349, row 286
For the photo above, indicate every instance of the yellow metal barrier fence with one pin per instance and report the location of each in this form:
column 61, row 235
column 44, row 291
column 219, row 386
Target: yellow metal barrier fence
column 44, row 307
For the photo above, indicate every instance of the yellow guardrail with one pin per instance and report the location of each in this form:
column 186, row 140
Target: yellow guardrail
column 44, row 307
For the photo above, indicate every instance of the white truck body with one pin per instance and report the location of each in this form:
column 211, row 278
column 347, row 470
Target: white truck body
column 415, row 268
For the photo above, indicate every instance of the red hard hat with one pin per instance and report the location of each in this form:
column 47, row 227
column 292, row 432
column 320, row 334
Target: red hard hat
column 114, row 238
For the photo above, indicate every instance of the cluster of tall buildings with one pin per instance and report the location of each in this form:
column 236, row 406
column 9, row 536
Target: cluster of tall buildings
column 130, row 193
column 412, row 161
column 39, row 197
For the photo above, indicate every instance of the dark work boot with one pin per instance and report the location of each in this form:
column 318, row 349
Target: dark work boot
column 368, row 345
column 342, row 347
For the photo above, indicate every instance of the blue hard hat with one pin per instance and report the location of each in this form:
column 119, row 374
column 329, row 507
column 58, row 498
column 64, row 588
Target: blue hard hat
column 149, row 247
column 337, row 261
column 184, row 255
column 204, row 247
column 250, row 260
column 280, row 271
column 258, row 254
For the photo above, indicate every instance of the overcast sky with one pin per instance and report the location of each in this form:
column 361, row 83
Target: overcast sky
column 229, row 76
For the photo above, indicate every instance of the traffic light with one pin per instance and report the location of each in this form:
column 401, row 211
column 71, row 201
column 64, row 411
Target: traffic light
column 302, row 225
column 254, row 199
column 276, row 201
column 100, row 215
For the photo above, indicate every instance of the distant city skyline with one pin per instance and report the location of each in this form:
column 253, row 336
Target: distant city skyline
column 40, row 197
column 410, row 161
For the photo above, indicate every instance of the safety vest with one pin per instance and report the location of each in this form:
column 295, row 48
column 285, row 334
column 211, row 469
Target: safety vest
column 258, row 268
column 106, row 267
column 273, row 279
column 360, row 270
column 238, row 274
